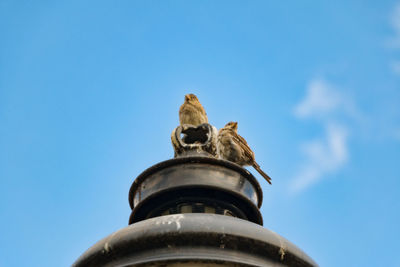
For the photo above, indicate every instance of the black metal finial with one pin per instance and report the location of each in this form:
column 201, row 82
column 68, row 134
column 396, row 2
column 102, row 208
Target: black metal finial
column 189, row 140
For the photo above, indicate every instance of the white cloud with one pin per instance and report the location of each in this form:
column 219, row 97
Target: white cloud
column 395, row 22
column 323, row 156
column 321, row 98
column 396, row 18
column 329, row 153
column 396, row 67
column 394, row 42
column 396, row 134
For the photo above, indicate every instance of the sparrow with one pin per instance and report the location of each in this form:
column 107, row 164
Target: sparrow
column 192, row 112
column 231, row 146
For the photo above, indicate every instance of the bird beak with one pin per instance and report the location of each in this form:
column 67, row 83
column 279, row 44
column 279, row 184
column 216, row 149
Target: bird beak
column 186, row 98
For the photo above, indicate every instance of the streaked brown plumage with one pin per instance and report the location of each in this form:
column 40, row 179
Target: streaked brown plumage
column 233, row 147
column 192, row 112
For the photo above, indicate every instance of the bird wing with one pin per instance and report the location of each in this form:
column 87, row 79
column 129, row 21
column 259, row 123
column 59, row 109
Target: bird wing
column 243, row 144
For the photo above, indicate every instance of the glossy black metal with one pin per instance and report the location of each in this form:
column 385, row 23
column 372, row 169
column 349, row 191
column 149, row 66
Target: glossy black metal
column 187, row 239
column 211, row 182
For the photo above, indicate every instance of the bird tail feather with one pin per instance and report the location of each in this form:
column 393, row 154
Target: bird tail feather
column 263, row 174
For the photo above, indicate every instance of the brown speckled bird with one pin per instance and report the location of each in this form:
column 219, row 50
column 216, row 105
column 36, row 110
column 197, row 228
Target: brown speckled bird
column 233, row 147
column 192, row 112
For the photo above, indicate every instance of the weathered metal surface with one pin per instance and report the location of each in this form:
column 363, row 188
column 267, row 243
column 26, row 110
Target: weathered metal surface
column 194, row 175
column 189, row 139
column 201, row 177
column 203, row 239
column 192, row 169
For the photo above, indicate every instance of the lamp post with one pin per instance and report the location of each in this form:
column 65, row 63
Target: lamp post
column 195, row 210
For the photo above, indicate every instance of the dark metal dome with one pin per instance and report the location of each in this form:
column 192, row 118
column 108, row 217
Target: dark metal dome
column 194, row 240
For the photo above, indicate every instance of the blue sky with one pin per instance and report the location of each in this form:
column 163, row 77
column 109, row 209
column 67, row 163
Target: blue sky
column 90, row 91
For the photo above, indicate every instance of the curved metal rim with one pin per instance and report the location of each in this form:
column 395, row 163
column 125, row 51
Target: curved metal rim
column 258, row 218
column 194, row 231
column 200, row 160
column 189, row 256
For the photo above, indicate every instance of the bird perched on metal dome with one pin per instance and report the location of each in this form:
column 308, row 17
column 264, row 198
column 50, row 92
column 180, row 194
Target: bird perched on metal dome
column 231, row 146
column 192, row 112
column 194, row 134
